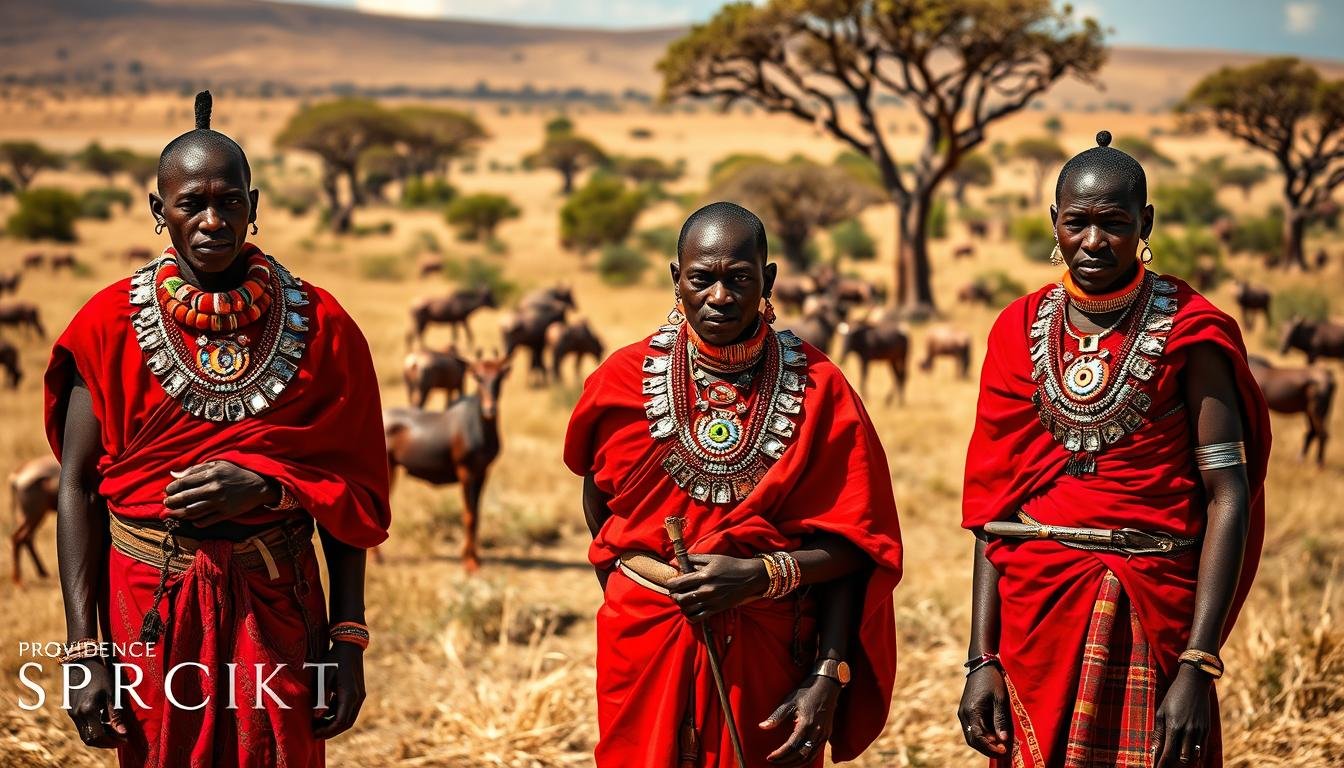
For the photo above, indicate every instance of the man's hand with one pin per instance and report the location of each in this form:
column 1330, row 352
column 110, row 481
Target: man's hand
column 719, row 583
column 985, row 721
column 812, row 708
column 1182, row 723
column 215, row 491
column 97, row 722
column 345, row 690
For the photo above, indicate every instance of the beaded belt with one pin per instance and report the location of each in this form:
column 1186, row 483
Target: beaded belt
column 149, row 545
column 1124, row 541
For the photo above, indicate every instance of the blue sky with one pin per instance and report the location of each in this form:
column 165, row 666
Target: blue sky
column 1302, row 27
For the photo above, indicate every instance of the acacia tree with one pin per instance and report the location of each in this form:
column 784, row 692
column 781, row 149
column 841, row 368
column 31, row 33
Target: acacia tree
column 340, row 132
column 795, row 199
column 439, row 136
column 1243, row 177
column 1143, row 150
column 26, row 158
column 478, row 216
column 567, row 154
column 1285, row 108
column 1043, row 154
column 961, row 64
column 973, row 170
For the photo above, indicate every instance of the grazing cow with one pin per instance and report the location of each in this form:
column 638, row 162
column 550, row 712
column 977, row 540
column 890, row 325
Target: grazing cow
column 1223, row 229
column 851, row 291
column 790, row 291
column 430, row 265
column 975, row 292
column 33, row 488
column 9, row 361
column 61, row 261
column 966, row 251
column 1252, row 299
column 945, row 341
column 453, row 309
column 821, row 317
column 456, row 445
column 426, row 370
column 9, row 282
column 139, row 254
column 978, row 228
column 1317, row 338
column 1322, row 259
column 575, row 339
column 1299, row 390
column 560, row 294
column 34, row 260
column 526, row 328
column 21, row 314
column 877, row 339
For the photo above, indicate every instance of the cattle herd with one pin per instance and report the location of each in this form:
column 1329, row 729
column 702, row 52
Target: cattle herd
column 840, row 315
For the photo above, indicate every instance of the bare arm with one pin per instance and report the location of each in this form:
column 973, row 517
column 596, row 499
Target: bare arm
column 81, row 524
column 595, row 513
column 985, row 722
column 345, row 682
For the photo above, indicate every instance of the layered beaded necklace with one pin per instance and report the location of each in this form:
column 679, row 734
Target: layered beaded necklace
column 722, row 447
column 222, row 379
column 1090, row 399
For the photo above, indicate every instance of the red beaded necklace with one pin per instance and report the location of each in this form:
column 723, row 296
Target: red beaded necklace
column 215, row 310
column 732, row 358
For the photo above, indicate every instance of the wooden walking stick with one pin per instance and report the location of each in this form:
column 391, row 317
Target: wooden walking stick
column 674, row 526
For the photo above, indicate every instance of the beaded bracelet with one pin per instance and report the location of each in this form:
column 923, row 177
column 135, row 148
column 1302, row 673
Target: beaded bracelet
column 771, row 572
column 349, row 632
column 790, row 576
column 287, row 502
column 1208, row 663
column 84, row 648
column 982, row 661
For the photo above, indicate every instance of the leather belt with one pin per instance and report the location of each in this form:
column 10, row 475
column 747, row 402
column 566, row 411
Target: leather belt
column 1125, row 541
column 146, row 543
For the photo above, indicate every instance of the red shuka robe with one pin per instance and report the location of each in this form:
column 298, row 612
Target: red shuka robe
column 832, row 478
column 322, row 439
column 1146, row 480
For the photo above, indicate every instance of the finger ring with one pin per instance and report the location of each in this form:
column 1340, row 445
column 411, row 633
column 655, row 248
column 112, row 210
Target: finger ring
column 807, row 745
column 1198, row 747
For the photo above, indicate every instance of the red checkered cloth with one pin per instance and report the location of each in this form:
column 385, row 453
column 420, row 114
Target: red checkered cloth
column 1112, row 722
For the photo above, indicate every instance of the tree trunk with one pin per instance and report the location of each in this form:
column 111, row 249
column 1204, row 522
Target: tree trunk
column 914, row 276
column 795, row 252
column 568, row 188
column 1036, row 190
column 338, row 214
column 1294, row 226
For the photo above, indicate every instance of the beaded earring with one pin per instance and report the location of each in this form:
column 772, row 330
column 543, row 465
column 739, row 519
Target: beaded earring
column 769, row 313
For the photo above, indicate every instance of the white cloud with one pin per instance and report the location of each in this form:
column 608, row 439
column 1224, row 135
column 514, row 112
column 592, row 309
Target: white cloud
column 1300, row 16
column 426, row 9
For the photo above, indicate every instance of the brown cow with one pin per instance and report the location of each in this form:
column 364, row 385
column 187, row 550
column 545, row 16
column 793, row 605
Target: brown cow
column 1252, row 299
column 1322, row 259
column 430, row 265
column 877, row 339
column 790, row 291
column 21, row 314
column 526, row 328
column 456, row 445
column 966, row 251
column 9, row 282
column 560, row 293
column 426, row 370
column 33, row 488
column 821, row 317
column 9, row 361
column 61, row 261
column 975, row 292
column 34, row 260
column 978, row 228
column 852, row 291
column 576, row 339
column 1299, row 390
column 1317, row 338
column 453, row 309
column 945, row 341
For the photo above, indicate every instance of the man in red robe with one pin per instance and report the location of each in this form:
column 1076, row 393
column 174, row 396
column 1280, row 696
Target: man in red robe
column 218, row 408
column 824, row 495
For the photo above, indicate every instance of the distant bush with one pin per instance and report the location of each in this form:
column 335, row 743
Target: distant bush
column 426, row 240
column 641, row 133
column 45, row 213
column 599, row 213
column 973, row 215
column 1034, row 235
column 98, row 203
column 477, row 216
column 621, row 265
column 1195, row 202
column 1258, row 235
column 1001, row 286
column 661, row 240
column 377, row 228
column 384, row 267
column 1194, row 256
column 427, row 193
column 7, row 186
column 937, row 223
column 850, row 240
column 1298, row 301
column 479, row 273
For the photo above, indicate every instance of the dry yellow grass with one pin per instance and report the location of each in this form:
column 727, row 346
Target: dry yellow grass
column 469, row 672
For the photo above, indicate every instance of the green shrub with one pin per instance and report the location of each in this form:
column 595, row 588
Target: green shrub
column 1195, row 202
column 479, row 273
column 599, row 213
column 973, row 215
column 97, row 203
column 1001, row 286
column 621, row 265
column 427, row 193
column 1260, row 235
column 1194, row 256
column 937, row 221
column 385, row 267
column 1297, row 301
column 660, row 240
column 45, row 213
column 377, row 228
column 850, row 240
column 1034, row 236
column 426, row 241
column 477, row 216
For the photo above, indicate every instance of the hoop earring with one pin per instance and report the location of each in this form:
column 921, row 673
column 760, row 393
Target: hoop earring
column 769, row 313
column 1146, row 255
column 1057, row 256
column 254, row 227
column 158, row 227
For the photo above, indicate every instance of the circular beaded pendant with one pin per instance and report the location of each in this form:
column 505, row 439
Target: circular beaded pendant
column 721, row 394
column 222, row 359
column 718, row 434
column 1086, row 377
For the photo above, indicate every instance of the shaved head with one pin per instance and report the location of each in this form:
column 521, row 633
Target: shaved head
column 723, row 226
column 188, row 152
column 1106, row 165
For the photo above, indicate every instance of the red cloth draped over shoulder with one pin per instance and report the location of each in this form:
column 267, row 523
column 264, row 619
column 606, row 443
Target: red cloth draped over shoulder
column 323, row 438
column 1147, row 480
column 832, row 478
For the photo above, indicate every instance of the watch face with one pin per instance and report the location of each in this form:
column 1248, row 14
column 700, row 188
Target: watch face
column 842, row 672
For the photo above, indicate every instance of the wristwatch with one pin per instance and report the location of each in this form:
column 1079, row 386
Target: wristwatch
column 835, row 669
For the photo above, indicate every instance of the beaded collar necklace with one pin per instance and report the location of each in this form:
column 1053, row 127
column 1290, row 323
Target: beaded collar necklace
column 227, row 378
column 1091, row 401
column 717, row 453
column 1101, row 303
column 215, row 311
column 730, row 358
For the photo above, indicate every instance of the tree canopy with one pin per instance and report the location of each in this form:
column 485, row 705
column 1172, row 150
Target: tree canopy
column 973, row 170
column 567, row 154
column 601, row 212
column 1043, row 153
column 960, row 64
column 1143, row 150
column 477, row 216
column 26, row 158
